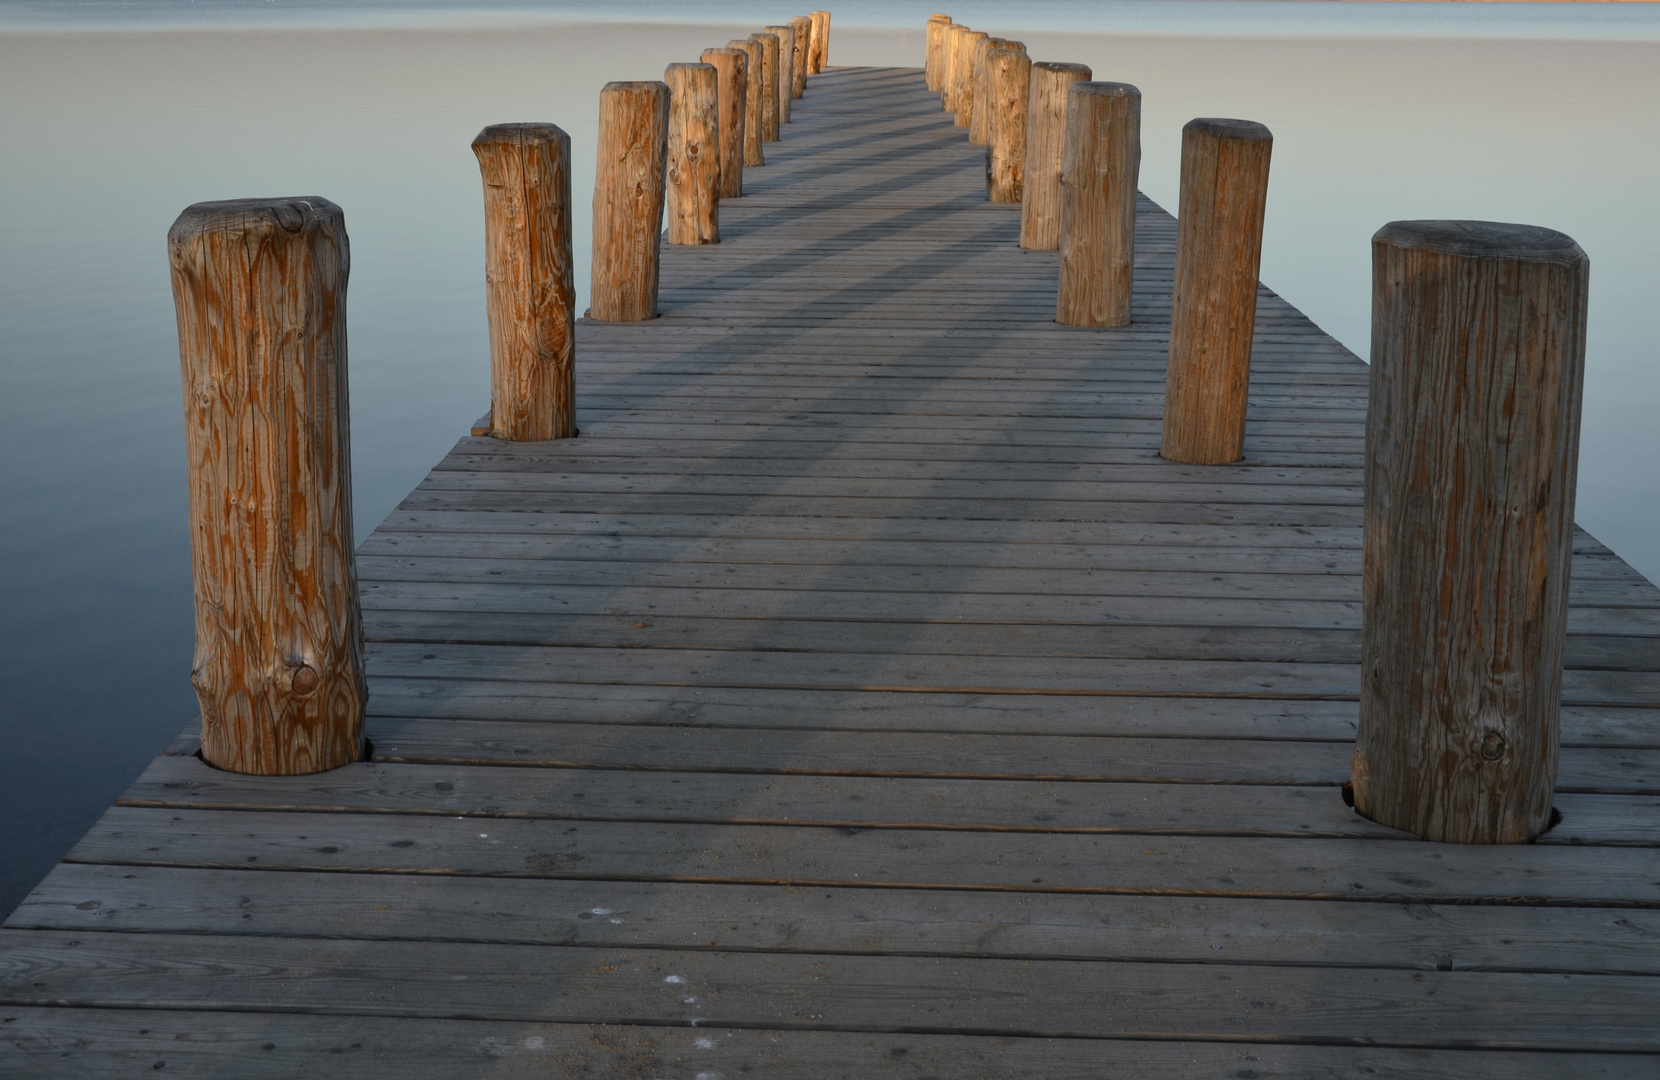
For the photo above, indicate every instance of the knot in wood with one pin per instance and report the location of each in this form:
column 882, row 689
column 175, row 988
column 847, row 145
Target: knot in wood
column 305, row 680
column 1492, row 745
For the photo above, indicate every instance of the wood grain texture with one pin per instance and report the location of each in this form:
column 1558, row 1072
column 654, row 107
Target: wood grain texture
column 1224, row 190
column 1046, row 105
column 821, row 42
column 259, row 288
column 629, row 183
column 692, row 174
column 755, row 97
column 529, row 280
column 950, row 51
column 1100, row 169
column 769, row 85
column 801, row 61
column 784, row 87
column 732, row 66
column 1009, row 79
column 979, row 117
column 937, row 25
column 971, row 45
column 1478, row 359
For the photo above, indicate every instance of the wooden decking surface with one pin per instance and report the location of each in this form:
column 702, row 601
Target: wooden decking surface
column 861, row 696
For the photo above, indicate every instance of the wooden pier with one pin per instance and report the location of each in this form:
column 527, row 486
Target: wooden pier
column 861, row 695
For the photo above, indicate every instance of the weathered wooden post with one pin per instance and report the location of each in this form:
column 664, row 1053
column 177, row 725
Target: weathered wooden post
column 803, row 27
column 821, row 41
column 259, row 288
column 963, row 96
column 1009, row 75
column 979, row 112
column 732, row 83
column 529, row 288
column 1099, row 172
column 786, row 70
column 936, row 37
column 1224, row 189
column 769, row 85
column 948, row 65
column 753, row 93
column 1040, row 204
column 628, row 200
column 1472, row 445
column 692, row 174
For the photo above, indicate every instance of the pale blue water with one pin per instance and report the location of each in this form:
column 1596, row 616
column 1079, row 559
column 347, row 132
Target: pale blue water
column 118, row 113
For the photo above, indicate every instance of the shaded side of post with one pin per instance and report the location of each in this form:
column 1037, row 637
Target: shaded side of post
column 769, row 85
column 1040, row 209
column 1472, row 446
column 732, row 68
column 1099, row 172
column 754, row 93
column 259, row 288
column 803, row 27
column 529, row 289
column 937, row 24
column 786, row 71
column 692, row 179
column 628, row 200
column 1224, row 190
column 1009, row 77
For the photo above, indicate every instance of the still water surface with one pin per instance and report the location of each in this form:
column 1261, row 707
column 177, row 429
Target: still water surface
column 119, row 113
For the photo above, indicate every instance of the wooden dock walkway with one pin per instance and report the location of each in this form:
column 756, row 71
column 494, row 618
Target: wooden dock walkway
column 862, row 696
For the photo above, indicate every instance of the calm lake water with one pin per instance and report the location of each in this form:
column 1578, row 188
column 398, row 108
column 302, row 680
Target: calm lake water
column 117, row 114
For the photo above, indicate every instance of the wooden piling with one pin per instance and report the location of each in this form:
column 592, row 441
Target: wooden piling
column 769, row 85
column 785, row 89
column 962, row 98
column 803, row 27
column 732, row 86
column 1099, row 172
column 628, row 200
column 937, row 24
column 1040, row 204
column 754, row 97
column 530, row 293
column 1472, row 445
column 1009, row 77
column 692, row 173
column 821, row 42
column 1224, row 188
column 979, row 112
column 259, row 289
column 949, row 43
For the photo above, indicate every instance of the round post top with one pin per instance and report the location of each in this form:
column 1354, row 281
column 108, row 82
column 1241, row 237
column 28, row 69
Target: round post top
column 1223, row 128
column 1105, row 89
column 1483, row 240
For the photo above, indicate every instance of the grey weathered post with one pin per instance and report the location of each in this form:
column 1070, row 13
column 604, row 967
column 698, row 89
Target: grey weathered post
column 628, row 200
column 1472, row 444
column 1099, row 173
column 786, row 70
column 1040, row 204
column 259, row 289
column 528, row 284
column 1224, row 190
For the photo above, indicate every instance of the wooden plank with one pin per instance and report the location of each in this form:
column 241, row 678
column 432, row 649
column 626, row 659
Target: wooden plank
column 1498, row 1010
column 1395, row 871
column 96, row 1043
column 773, row 918
column 1092, row 805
